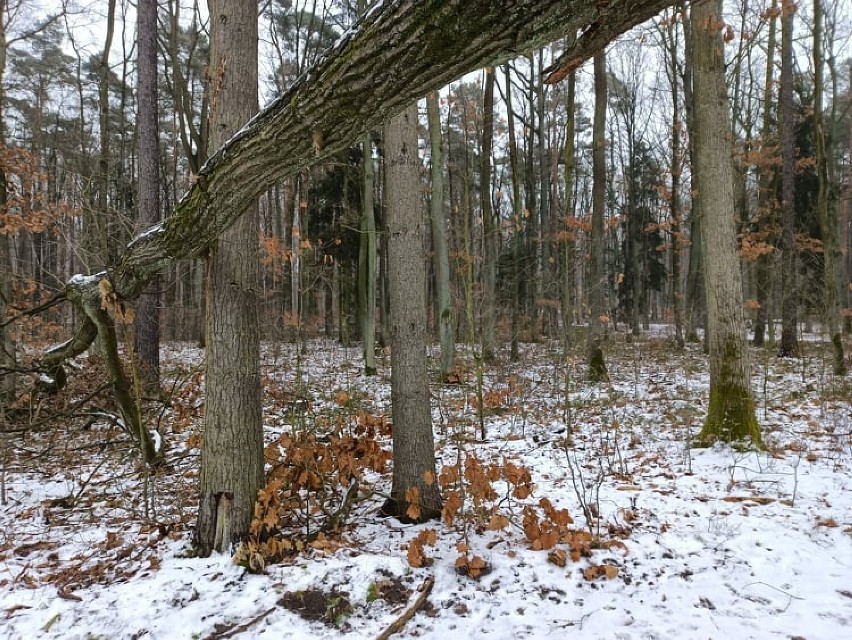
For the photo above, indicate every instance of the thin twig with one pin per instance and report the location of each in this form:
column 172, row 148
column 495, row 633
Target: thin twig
column 399, row 624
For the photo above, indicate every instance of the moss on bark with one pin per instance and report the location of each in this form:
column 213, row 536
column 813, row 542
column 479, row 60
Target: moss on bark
column 597, row 364
column 731, row 414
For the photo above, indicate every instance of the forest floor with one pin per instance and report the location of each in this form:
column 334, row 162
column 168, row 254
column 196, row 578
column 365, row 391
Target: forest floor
column 621, row 530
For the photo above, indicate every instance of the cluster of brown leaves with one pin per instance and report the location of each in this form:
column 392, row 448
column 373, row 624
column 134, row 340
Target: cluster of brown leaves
column 27, row 205
column 416, row 556
column 476, row 484
column 308, row 489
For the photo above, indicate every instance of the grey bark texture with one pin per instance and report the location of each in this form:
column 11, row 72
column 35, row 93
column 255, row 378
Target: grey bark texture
column 399, row 52
column 597, row 267
column 789, row 259
column 232, row 440
column 827, row 208
column 730, row 415
column 413, row 444
column 441, row 259
column 148, row 306
column 489, row 224
column 8, row 381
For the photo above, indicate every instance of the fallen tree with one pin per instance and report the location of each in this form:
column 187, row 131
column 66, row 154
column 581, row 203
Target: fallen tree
column 397, row 53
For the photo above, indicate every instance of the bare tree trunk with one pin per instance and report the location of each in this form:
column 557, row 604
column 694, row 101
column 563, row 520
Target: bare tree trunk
column 568, row 243
column 730, row 415
column 827, row 209
column 441, row 258
column 597, row 268
column 8, row 378
column 489, row 224
column 148, row 306
column 367, row 255
column 232, row 451
column 789, row 290
column 415, row 494
column 102, row 233
column 695, row 278
column 517, row 218
column 669, row 34
column 763, row 267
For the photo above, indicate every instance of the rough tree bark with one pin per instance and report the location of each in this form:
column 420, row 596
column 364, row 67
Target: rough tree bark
column 8, row 380
column 789, row 291
column 765, row 201
column 414, row 475
column 148, row 306
column 730, row 415
column 441, row 258
column 489, row 224
column 567, row 242
column 367, row 258
column 367, row 252
column 827, row 209
column 232, row 449
column 597, row 268
column 399, row 52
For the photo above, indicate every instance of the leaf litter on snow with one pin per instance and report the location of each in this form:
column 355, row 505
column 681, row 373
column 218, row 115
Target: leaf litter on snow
column 621, row 530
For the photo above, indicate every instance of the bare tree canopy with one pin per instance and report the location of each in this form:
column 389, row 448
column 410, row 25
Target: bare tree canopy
column 396, row 54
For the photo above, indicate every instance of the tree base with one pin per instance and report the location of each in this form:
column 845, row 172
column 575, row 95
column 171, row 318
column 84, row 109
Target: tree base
column 597, row 364
column 398, row 509
column 730, row 418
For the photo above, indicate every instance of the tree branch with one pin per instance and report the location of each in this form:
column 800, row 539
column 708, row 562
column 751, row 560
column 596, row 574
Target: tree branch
column 396, row 54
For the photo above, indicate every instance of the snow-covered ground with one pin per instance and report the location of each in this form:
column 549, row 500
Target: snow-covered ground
column 697, row 543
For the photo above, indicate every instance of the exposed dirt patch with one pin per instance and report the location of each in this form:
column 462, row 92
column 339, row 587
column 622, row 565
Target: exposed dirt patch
column 313, row 604
column 391, row 590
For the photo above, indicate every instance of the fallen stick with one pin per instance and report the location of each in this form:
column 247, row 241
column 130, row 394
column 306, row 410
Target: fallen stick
column 397, row 625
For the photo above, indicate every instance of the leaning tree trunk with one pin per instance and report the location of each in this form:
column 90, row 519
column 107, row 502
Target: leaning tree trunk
column 827, row 210
column 232, row 450
column 415, row 494
column 789, row 290
column 597, row 270
column 429, row 44
column 441, row 254
column 730, row 415
column 148, row 306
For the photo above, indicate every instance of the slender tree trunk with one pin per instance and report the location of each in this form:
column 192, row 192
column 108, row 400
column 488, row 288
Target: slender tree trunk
column 103, row 238
column 568, row 243
column 148, row 306
column 367, row 255
column 765, row 202
column 232, row 451
column 827, row 209
column 675, row 201
column 415, row 494
column 789, row 290
column 730, row 415
column 695, row 277
column 441, row 259
column 597, row 267
column 367, row 251
column 489, row 224
column 8, row 379
column 517, row 218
